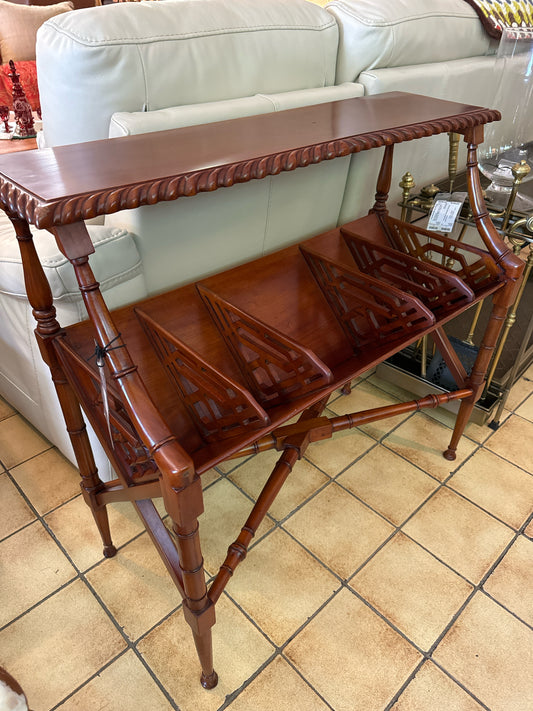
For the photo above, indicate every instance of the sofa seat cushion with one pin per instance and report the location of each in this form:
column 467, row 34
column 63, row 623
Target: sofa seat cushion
column 28, row 80
column 213, row 50
column 136, row 122
column 405, row 32
column 116, row 260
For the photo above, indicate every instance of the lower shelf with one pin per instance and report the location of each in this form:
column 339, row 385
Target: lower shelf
column 230, row 358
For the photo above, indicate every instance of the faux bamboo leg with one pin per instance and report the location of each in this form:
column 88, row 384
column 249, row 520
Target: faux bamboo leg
column 41, row 300
column 513, row 269
column 180, row 486
column 477, row 376
column 293, row 450
column 184, row 508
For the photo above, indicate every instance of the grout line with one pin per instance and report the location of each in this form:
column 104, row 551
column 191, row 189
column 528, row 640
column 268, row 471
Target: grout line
column 278, row 524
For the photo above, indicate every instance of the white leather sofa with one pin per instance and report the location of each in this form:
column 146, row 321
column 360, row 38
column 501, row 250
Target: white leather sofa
column 138, row 67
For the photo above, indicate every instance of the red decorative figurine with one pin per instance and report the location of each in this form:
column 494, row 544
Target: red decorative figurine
column 4, row 117
column 21, row 107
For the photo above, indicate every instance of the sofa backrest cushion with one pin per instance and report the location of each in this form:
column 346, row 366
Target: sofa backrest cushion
column 374, row 35
column 152, row 55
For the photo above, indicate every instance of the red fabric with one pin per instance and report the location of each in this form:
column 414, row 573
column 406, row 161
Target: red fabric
column 28, row 79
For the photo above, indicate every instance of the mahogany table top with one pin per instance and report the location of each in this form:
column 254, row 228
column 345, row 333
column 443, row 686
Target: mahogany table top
column 69, row 183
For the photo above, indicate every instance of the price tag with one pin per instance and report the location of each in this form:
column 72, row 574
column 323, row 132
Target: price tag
column 445, row 211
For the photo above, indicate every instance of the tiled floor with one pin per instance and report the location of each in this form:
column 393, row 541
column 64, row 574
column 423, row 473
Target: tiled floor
column 385, row 577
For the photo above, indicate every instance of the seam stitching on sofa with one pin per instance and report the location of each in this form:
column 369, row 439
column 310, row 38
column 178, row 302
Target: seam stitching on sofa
column 190, row 35
column 143, row 66
column 369, row 22
column 269, row 98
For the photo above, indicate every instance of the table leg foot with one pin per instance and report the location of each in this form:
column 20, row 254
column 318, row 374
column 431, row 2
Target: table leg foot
column 209, row 681
column 450, row 455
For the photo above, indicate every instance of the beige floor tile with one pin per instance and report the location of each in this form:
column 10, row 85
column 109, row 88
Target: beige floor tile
column 31, row 567
column 230, row 464
column 388, row 483
column 59, row 645
column 412, row 590
column 278, row 688
column 135, row 586
column 335, row 454
column 529, row 529
column 526, row 409
column 431, row 689
column 239, row 650
column 422, row 441
column 490, row 652
column 475, row 432
column 226, row 511
column 339, row 529
column 389, row 386
column 354, row 660
column 280, row 585
column 5, row 409
column 124, row 685
column 74, row 526
column 497, row 485
column 19, row 441
column 459, row 533
column 48, row 480
column 302, row 482
column 14, row 511
column 513, row 441
column 522, row 389
column 209, row 477
column 363, row 397
column 512, row 581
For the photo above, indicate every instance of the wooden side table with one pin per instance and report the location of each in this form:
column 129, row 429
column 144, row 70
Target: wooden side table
column 214, row 370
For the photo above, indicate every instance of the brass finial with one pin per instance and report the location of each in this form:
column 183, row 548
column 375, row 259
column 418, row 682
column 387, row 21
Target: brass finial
column 520, row 170
column 407, row 183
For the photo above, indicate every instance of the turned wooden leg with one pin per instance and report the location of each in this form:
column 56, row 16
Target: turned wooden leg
column 477, row 376
column 184, row 506
column 346, row 388
column 41, row 300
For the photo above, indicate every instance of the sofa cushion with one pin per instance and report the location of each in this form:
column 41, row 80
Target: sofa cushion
column 150, row 56
column 126, row 123
column 19, row 25
column 115, row 260
column 405, row 32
